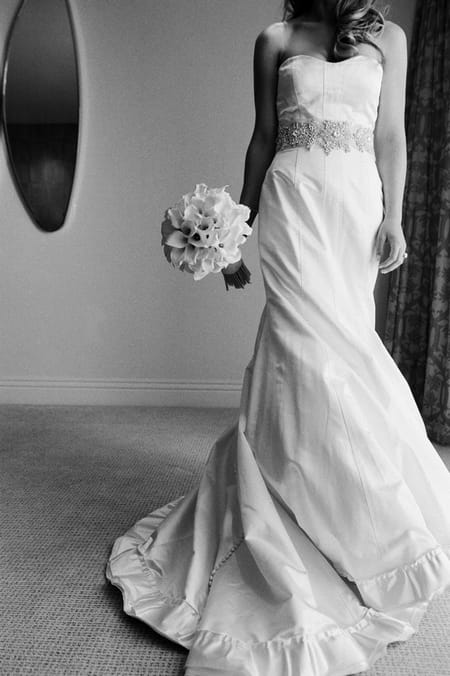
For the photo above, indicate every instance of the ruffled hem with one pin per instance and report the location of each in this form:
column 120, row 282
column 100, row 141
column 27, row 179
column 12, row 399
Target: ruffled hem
column 407, row 590
column 334, row 652
column 337, row 651
column 171, row 616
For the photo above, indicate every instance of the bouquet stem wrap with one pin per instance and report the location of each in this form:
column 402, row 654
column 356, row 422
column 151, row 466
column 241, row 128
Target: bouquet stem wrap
column 239, row 278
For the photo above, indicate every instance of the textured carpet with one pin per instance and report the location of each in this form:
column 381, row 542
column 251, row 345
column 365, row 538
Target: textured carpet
column 74, row 478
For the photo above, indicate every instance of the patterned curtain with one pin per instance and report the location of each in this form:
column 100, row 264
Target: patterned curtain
column 417, row 331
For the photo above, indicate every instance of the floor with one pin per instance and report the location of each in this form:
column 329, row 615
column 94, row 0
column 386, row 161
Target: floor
column 72, row 479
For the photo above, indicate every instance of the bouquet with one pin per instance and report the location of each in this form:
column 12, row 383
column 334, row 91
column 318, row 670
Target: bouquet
column 202, row 233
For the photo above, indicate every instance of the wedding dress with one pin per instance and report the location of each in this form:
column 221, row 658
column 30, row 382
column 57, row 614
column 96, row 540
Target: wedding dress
column 320, row 529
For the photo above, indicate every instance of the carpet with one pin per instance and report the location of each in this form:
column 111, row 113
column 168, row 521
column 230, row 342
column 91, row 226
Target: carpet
column 72, row 479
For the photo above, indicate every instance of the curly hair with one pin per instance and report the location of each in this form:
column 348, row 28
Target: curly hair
column 356, row 21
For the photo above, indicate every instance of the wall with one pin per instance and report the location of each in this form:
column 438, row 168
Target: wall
column 93, row 313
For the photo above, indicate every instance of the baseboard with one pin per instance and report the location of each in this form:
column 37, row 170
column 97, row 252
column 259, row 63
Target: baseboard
column 121, row 392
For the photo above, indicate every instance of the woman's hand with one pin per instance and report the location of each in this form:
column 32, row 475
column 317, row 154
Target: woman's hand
column 390, row 230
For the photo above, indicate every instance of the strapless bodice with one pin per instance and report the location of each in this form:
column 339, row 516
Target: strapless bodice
column 342, row 90
column 339, row 99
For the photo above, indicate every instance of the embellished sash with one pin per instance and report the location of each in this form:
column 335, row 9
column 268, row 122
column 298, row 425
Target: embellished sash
column 326, row 134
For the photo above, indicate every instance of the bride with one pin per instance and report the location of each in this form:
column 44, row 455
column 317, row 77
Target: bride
column 320, row 529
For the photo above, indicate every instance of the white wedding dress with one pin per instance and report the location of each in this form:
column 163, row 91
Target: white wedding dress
column 320, row 529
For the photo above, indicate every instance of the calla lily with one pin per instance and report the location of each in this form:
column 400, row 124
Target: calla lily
column 166, row 229
column 175, row 215
column 176, row 256
column 202, row 233
column 177, row 239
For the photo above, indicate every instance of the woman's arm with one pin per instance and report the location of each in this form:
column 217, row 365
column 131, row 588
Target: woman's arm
column 261, row 149
column 390, row 144
column 262, row 144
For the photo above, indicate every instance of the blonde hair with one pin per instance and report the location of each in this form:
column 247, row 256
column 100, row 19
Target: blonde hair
column 356, row 21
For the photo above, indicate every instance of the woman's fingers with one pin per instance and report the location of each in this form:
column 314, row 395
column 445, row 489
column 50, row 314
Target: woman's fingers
column 380, row 242
column 397, row 247
column 394, row 259
column 379, row 246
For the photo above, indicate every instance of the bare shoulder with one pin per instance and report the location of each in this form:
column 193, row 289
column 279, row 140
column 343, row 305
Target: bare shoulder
column 392, row 31
column 393, row 40
column 270, row 40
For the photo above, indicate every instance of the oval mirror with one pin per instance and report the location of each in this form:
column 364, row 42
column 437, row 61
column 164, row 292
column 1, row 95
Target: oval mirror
column 40, row 108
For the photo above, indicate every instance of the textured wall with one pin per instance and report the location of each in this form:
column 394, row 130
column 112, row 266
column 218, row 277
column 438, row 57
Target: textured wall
column 93, row 312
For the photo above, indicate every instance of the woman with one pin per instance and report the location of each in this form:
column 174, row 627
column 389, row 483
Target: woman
column 320, row 529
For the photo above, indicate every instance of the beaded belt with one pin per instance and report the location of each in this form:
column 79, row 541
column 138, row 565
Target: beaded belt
column 327, row 134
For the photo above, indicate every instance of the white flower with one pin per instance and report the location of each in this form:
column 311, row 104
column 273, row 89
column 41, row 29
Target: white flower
column 202, row 233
